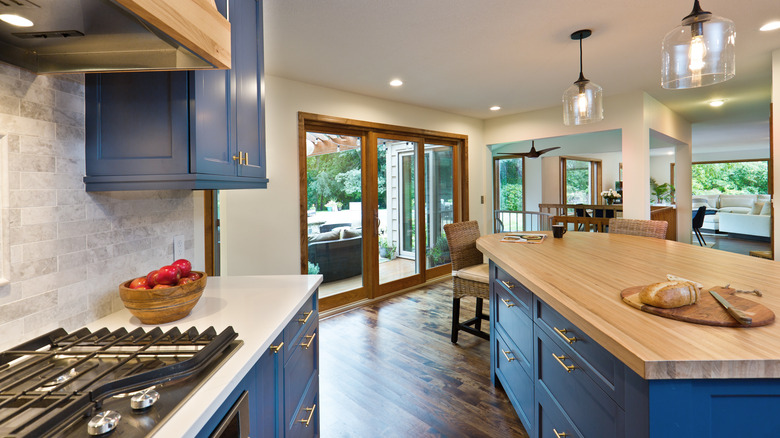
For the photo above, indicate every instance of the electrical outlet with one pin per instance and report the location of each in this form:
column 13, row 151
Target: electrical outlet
column 178, row 247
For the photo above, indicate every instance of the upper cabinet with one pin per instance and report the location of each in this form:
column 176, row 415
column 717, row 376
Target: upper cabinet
column 182, row 130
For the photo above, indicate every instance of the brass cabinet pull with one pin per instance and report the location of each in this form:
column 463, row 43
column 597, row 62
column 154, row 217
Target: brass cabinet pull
column 560, row 434
column 276, row 348
column 306, row 345
column 560, row 359
column 563, row 332
column 508, row 284
column 246, row 158
column 508, row 303
column 311, row 414
column 307, row 315
column 506, row 355
column 239, row 158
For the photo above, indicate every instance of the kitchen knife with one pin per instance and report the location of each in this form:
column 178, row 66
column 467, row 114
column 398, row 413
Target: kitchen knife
column 737, row 314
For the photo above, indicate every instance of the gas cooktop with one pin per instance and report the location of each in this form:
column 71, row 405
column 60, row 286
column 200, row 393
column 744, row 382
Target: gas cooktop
column 92, row 383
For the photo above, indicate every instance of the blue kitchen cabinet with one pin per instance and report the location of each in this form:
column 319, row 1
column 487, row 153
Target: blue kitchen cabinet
column 201, row 129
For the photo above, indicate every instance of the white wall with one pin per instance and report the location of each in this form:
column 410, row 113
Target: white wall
column 260, row 228
column 659, row 168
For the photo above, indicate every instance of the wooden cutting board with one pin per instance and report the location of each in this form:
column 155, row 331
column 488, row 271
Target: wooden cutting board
column 707, row 310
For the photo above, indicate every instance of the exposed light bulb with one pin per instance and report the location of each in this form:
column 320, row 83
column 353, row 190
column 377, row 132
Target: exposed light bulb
column 16, row 20
column 696, row 53
column 582, row 104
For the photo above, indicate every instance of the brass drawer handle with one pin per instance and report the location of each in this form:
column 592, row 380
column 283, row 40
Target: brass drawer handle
column 311, row 414
column 307, row 315
column 306, row 345
column 508, row 303
column 560, row 434
column 508, row 284
column 506, row 355
column 560, row 359
column 563, row 332
column 276, row 348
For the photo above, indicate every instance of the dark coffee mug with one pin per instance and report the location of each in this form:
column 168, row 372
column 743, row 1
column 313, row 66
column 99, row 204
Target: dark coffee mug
column 558, row 231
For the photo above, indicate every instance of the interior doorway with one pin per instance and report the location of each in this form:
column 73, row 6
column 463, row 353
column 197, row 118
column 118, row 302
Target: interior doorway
column 375, row 199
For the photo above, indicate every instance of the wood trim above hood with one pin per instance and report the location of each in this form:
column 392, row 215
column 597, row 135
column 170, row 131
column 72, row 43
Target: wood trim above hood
column 198, row 26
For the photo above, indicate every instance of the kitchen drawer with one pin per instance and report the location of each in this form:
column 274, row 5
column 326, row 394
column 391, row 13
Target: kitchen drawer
column 604, row 368
column 301, row 322
column 553, row 423
column 305, row 422
column 588, row 407
column 517, row 382
column 515, row 293
column 516, row 324
column 300, row 370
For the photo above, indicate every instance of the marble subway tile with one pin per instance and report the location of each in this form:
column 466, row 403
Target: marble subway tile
column 33, row 233
column 27, row 306
column 31, row 163
column 37, row 145
column 35, row 268
column 26, row 126
column 38, row 215
column 53, row 248
column 12, row 333
column 68, row 102
column 33, row 198
column 70, row 213
column 83, row 228
column 14, row 143
column 10, row 105
column 71, row 197
column 71, row 166
column 37, row 181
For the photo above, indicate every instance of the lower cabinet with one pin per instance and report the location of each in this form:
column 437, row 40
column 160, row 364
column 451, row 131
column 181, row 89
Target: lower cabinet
column 283, row 386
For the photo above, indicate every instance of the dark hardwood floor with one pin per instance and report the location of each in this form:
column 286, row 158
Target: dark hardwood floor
column 390, row 370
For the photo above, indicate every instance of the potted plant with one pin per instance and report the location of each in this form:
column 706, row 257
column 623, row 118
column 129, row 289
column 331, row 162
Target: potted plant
column 663, row 192
column 387, row 248
column 610, row 196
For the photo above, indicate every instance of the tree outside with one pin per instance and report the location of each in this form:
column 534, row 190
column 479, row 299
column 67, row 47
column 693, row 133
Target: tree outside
column 337, row 177
column 734, row 177
column 578, row 182
column 510, row 184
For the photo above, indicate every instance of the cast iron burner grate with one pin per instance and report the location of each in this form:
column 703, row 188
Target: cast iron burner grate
column 56, row 379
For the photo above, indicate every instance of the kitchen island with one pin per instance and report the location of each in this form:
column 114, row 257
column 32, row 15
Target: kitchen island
column 258, row 308
column 557, row 304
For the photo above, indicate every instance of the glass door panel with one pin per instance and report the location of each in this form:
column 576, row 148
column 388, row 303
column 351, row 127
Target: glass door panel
column 438, row 202
column 397, row 212
column 579, row 179
column 334, row 199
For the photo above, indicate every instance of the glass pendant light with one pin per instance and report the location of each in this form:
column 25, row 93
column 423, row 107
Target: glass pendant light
column 582, row 101
column 699, row 52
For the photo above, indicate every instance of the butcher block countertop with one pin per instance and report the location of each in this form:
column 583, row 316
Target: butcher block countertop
column 582, row 274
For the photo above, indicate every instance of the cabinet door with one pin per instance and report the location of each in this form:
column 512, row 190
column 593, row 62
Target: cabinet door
column 137, row 124
column 246, row 21
column 270, row 385
column 211, row 112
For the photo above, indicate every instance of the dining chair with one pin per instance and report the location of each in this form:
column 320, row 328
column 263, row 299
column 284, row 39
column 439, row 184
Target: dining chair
column 697, row 222
column 638, row 227
column 470, row 276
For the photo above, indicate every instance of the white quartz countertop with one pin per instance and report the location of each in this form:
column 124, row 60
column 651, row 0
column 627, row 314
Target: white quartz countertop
column 258, row 308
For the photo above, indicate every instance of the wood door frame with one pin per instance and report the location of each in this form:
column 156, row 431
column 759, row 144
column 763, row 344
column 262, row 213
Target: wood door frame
column 331, row 124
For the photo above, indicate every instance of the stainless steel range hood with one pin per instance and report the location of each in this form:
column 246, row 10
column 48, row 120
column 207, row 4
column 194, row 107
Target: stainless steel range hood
column 70, row 36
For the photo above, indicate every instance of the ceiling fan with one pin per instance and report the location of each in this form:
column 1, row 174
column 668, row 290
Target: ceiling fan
column 533, row 153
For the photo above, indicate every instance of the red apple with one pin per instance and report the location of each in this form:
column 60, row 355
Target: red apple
column 194, row 276
column 161, row 286
column 184, row 265
column 151, row 278
column 184, row 280
column 139, row 283
column 168, row 275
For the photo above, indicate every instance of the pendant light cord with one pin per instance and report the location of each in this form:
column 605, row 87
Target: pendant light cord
column 581, row 76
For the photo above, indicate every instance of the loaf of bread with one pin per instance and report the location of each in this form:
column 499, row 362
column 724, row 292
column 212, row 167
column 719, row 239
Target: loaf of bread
column 669, row 294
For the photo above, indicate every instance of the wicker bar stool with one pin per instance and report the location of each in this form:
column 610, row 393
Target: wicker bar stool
column 638, row 227
column 470, row 277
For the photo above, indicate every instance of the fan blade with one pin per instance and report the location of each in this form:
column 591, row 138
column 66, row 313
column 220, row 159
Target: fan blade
column 547, row 150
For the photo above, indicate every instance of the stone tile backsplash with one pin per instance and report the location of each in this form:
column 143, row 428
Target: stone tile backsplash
column 69, row 249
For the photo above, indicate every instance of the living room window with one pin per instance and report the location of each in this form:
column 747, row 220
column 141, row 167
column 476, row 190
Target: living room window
column 580, row 180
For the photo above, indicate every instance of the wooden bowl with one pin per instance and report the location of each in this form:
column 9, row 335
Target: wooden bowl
column 158, row 306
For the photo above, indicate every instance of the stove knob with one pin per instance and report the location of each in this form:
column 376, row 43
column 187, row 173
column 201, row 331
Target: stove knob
column 144, row 399
column 103, row 422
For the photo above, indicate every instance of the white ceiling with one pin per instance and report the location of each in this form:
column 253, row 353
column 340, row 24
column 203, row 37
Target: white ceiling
column 463, row 56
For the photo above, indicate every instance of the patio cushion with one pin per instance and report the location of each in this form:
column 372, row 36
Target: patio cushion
column 325, row 237
column 737, row 200
column 766, row 210
column 756, row 209
column 480, row 273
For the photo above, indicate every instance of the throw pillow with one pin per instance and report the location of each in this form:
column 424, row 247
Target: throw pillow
column 348, row 233
column 766, row 210
column 324, row 237
column 756, row 209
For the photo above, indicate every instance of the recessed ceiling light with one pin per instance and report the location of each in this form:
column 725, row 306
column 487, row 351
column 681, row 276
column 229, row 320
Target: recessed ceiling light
column 495, row 108
column 670, row 153
column 396, row 82
column 16, row 20
column 772, row 25
column 717, row 103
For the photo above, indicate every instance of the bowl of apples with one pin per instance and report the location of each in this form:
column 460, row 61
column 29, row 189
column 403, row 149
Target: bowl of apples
column 164, row 295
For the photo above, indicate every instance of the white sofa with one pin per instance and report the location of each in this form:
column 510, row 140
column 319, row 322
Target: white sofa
column 743, row 214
